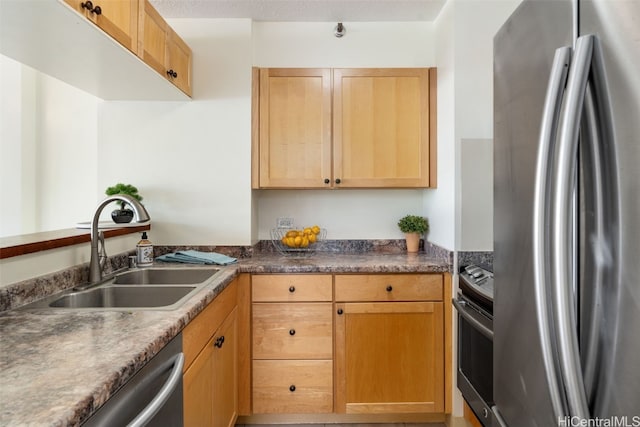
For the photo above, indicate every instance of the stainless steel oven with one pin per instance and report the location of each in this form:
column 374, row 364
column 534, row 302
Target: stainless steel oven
column 474, row 304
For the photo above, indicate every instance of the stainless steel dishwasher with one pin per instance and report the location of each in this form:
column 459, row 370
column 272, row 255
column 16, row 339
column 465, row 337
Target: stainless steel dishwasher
column 152, row 397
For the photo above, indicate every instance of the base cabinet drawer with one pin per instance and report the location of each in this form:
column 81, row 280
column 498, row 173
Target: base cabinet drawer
column 292, row 386
column 388, row 287
column 292, row 288
column 292, row 331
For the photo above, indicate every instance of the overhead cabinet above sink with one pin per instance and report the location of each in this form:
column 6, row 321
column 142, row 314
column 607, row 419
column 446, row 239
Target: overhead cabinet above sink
column 97, row 46
column 344, row 128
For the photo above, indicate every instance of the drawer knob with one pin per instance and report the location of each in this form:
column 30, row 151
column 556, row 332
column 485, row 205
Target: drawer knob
column 340, row 311
column 292, row 388
column 292, row 332
column 327, row 180
column 389, row 288
column 292, row 289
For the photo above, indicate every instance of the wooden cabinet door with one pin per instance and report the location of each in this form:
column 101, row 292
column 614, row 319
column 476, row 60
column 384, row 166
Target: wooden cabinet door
column 179, row 62
column 210, row 389
column 381, row 127
column 389, row 357
column 295, row 128
column 118, row 18
column 198, row 389
column 153, row 34
column 225, row 373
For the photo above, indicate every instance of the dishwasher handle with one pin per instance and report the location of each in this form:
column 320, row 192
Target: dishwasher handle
column 163, row 395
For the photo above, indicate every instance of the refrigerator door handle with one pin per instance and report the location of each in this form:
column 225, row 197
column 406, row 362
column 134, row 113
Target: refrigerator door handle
column 562, row 253
column 541, row 218
column 601, row 200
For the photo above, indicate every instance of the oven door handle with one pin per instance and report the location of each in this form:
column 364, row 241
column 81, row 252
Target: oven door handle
column 461, row 306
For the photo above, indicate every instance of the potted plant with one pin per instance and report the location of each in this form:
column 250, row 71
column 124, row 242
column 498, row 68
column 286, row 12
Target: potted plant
column 123, row 215
column 413, row 227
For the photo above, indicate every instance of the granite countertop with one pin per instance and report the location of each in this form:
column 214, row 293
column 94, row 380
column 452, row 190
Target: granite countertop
column 58, row 367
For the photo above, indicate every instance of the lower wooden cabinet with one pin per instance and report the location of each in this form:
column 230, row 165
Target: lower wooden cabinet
column 389, row 343
column 346, row 348
column 389, row 357
column 292, row 343
column 210, row 380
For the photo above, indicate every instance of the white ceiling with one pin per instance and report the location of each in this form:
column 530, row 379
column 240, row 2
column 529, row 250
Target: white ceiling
column 303, row 10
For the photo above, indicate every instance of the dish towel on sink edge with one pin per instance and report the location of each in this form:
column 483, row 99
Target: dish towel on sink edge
column 197, row 257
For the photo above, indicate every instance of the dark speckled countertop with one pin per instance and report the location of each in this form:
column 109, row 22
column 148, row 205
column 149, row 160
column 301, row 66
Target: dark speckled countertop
column 58, row 367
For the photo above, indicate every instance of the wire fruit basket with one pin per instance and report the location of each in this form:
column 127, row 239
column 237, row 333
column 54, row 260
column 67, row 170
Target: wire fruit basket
column 295, row 241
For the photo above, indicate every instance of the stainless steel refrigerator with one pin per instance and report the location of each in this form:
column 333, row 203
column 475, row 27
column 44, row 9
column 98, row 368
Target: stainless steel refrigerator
column 567, row 214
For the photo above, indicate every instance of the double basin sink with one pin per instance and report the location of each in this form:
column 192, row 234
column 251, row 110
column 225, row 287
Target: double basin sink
column 149, row 288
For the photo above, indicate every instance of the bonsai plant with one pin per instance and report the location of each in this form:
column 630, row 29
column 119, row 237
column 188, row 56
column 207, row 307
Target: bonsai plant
column 123, row 215
column 413, row 226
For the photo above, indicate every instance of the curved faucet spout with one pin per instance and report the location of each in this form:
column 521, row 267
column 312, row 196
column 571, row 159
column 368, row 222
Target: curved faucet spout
column 140, row 215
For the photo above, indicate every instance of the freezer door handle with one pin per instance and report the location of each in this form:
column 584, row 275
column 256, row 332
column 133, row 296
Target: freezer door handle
column 541, row 219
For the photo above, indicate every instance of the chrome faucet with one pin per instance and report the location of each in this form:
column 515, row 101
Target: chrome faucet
column 141, row 215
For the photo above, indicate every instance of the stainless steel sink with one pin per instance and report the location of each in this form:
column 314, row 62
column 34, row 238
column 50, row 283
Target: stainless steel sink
column 138, row 289
column 124, row 297
column 166, row 276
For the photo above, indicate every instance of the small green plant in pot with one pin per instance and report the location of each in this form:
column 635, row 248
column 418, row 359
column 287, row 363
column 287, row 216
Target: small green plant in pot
column 413, row 227
column 123, row 215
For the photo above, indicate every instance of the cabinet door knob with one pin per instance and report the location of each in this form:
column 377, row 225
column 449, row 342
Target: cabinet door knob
column 327, row 180
column 340, row 311
column 292, row 388
column 87, row 5
column 292, row 289
column 338, row 181
column 292, row 332
column 97, row 10
column 389, row 288
column 172, row 73
column 219, row 342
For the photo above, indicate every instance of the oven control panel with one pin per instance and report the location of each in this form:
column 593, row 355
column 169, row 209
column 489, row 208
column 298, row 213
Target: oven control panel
column 477, row 283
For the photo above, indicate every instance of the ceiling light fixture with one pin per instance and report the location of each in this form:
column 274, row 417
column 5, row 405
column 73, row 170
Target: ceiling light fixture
column 340, row 30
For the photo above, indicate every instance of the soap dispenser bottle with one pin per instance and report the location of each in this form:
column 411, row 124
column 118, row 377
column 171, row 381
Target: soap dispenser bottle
column 144, row 251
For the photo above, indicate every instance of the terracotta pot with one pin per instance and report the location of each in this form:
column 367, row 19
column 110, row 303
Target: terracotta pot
column 413, row 241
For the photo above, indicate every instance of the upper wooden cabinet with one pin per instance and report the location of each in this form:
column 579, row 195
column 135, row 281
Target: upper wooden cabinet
column 118, row 18
column 93, row 45
column 349, row 128
column 162, row 49
column 295, row 128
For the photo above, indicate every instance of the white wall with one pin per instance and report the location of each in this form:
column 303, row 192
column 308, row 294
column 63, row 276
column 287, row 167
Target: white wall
column 464, row 55
column 191, row 161
column 49, row 146
column 346, row 214
column 476, row 22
